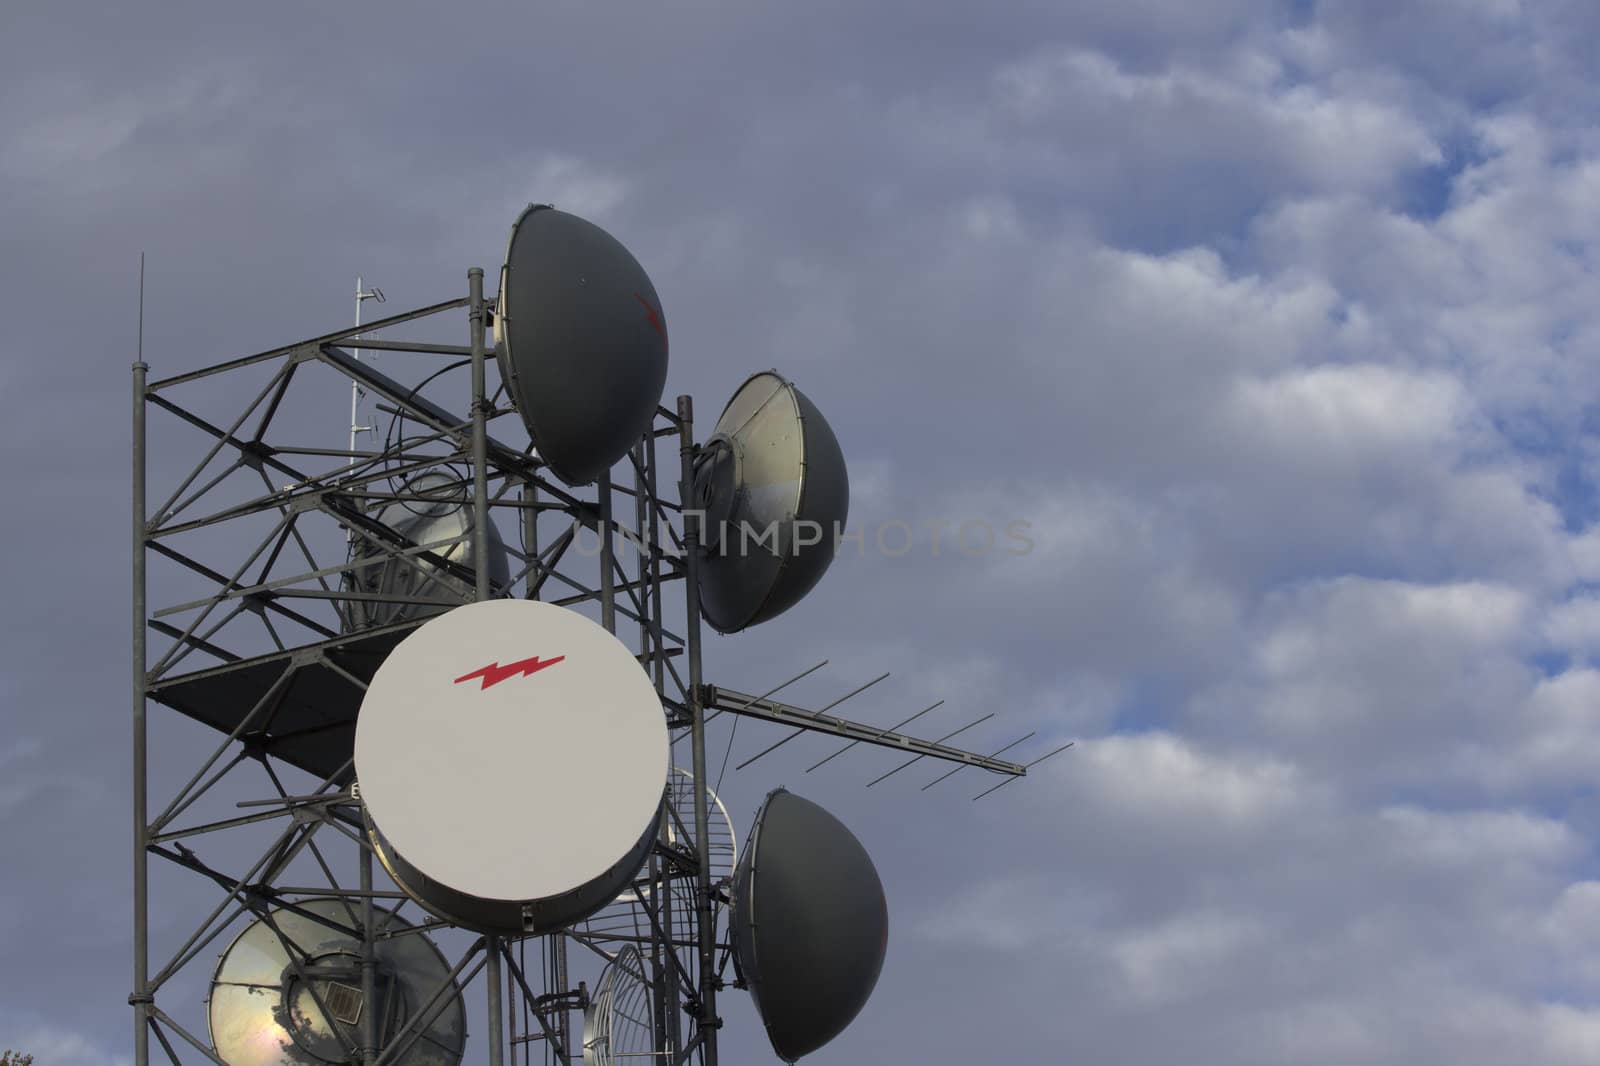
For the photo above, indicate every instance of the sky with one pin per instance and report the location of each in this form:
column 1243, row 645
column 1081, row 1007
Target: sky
column 1274, row 322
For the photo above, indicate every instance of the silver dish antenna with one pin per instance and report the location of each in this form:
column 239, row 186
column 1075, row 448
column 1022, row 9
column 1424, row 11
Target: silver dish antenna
column 439, row 519
column 287, row 992
column 722, row 844
column 581, row 340
column 772, row 483
column 493, row 710
column 809, row 923
column 622, row 916
column 617, row 1024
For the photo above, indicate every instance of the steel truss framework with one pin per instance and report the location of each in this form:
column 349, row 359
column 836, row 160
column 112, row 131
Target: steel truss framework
column 272, row 658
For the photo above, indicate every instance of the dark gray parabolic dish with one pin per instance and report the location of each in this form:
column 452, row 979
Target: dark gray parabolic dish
column 263, row 1010
column 775, row 491
column 581, row 340
column 445, row 515
column 809, row 923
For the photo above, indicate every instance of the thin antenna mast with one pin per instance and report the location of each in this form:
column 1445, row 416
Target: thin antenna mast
column 356, row 390
column 141, row 307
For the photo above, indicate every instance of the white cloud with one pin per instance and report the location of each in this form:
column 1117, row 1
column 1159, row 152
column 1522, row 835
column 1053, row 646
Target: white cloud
column 1551, row 737
column 1176, row 957
column 1575, row 625
column 1346, row 414
column 1471, row 838
column 1294, row 409
column 1316, row 139
column 1381, row 683
column 1158, row 777
column 1496, row 287
column 1265, row 915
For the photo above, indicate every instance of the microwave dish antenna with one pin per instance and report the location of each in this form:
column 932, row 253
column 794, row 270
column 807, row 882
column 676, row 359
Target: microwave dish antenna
column 288, row 991
column 802, row 873
column 435, row 515
column 582, row 342
column 618, row 1024
column 773, row 485
column 488, row 712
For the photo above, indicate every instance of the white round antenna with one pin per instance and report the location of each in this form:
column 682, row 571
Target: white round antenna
column 474, row 739
column 617, row 1026
column 287, row 992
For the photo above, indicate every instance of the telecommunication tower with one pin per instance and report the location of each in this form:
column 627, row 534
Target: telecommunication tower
column 406, row 746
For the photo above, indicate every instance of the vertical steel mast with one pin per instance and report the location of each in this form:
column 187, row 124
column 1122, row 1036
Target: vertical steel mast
column 705, row 923
column 140, row 997
column 369, row 974
column 481, row 589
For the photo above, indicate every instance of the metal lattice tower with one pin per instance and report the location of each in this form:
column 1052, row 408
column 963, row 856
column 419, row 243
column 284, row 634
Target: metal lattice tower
column 260, row 541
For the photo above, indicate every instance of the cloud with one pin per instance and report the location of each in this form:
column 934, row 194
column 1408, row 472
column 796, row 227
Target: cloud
column 1574, row 625
column 1167, row 962
column 1493, row 288
column 1308, row 137
column 1549, row 735
column 1453, row 839
column 1277, row 329
column 1301, row 921
column 1376, row 676
column 1160, row 779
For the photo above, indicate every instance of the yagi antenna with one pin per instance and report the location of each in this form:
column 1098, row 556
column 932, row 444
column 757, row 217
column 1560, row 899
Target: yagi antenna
column 998, row 751
column 1028, row 766
column 941, row 740
column 884, row 733
column 801, row 729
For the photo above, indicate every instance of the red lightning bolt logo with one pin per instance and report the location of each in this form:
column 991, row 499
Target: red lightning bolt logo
column 654, row 316
column 494, row 673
